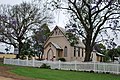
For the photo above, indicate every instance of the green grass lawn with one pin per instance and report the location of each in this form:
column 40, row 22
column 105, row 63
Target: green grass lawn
column 48, row 74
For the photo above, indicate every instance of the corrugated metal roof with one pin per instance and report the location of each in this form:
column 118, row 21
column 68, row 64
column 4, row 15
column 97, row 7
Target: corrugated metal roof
column 99, row 54
column 56, row 45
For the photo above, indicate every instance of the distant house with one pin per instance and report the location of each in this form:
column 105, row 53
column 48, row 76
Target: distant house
column 57, row 46
column 96, row 56
column 3, row 55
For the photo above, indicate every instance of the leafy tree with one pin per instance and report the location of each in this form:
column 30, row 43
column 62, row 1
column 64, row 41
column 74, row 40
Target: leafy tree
column 90, row 19
column 106, row 57
column 72, row 38
column 112, row 53
column 17, row 21
column 39, row 37
column 27, row 50
column 102, row 46
column 118, row 50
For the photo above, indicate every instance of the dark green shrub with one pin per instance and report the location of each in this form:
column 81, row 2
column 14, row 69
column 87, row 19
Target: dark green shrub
column 56, row 69
column 91, row 71
column 62, row 59
column 45, row 66
column 107, row 72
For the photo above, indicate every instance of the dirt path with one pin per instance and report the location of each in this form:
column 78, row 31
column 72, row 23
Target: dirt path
column 3, row 73
column 4, row 78
column 6, row 75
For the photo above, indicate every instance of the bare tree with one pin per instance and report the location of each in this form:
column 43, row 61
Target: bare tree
column 89, row 18
column 17, row 21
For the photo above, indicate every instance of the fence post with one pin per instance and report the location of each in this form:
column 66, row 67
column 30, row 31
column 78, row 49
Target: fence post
column 75, row 65
column 10, row 61
column 94, row 67
column 27, row 61
column 117, row 68
column 4, row 61
column 33, row 61
column 59, row 64
column 18, row 61
column 104, row 65
column 45, row 61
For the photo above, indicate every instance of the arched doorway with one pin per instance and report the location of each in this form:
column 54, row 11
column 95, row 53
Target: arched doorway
column 50, row 54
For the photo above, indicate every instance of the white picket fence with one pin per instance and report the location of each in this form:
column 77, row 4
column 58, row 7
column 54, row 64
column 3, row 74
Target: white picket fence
column 79, row 66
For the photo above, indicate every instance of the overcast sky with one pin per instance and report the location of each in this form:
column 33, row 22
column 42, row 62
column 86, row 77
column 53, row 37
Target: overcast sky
column 12, row 2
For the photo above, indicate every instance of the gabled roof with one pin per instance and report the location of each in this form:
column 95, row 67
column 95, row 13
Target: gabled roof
column 80, row 44
column 55, row 45
column 60, row 28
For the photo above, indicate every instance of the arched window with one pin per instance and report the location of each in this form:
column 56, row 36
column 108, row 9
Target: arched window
column 65, row 51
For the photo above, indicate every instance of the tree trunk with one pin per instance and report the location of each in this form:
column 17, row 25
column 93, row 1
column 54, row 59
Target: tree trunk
column 19, row 49
column 88, row 51
column 88, row 47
